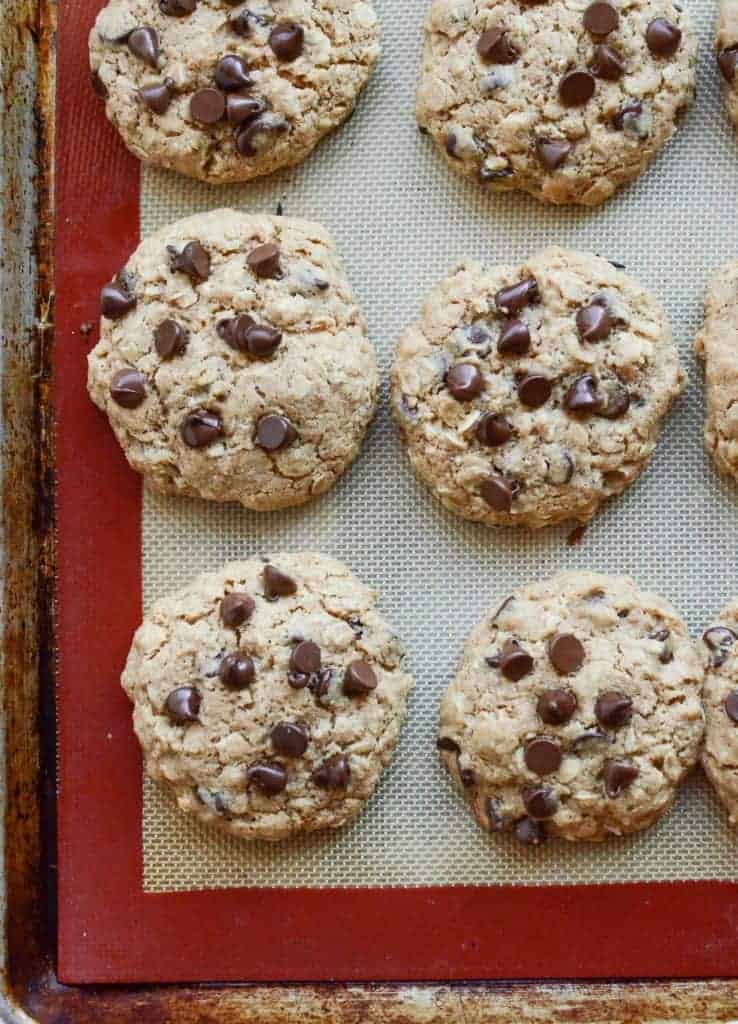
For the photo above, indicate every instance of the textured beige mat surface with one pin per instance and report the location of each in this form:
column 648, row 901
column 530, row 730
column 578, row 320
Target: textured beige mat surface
column 401, row 220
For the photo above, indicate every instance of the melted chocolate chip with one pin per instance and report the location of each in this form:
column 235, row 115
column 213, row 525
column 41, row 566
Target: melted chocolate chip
column 719, row 640
column 193, row 261
column 464, row 381
column 208, row 106
column 201, row 427
column 157, row 96
column 493, row 431
column 170, row 339
column 530, row 832
column 290, row 739
column 614, row 400
column 494, row 48
column 534, row 390
column 232, row 73
column 359, row 679
column 273, row 433
column 542, row 755
column 447, row 744
column 576, row 88
column 618, row 776
column 236, row 608
column 263, row 261
column 334, row 773
column 183, row 705
column 589, row 736
column 566, row 653
column 237, row 671
column 540, row 802
column 467, row 777
column 582, row 396
column 514, row 338
column 98, row 86
column 498, row 492
column 731, row 706
column 143, row 43
column 287, row 40
column 269, row 776
column 258, row 133
column 628, row 118
column 128, row 388
column 613, row 709
column 663, row 37
column 277, row 583
column 515, row 662
column 594, row 322
column 727, row 60
column 607, row 64
column 515, row 297
column 552, row 152
column 555, row 707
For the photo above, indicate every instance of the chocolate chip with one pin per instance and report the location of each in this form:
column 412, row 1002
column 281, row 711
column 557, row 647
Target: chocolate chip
column 319, row 684
column 269, row 776
column 555, row 707
column 515, row 662
column 540, row 802
column 286, row 40
column 183, row 704
column 614, row 399
column 493, row 807
column 514, row 338
column 566, row 653
column 258, row 133
column 241, row 24
column 464, row 381
column 576, row 88
column 513, row 298
column 663, row 37
column 607, row 64
column 534, row 390
column 157, row 96
column 264, row 260
column 277, row 583
column 589, row 736
column 143, row 43
column 193, row 260
column 236, row 608
column 273, row 433
column 719, row 640
column 493, row 47
column 542, row 755
column 306, row 658
column 498, row 492
column 333, row 773
column 177, row 8
column 233, row 331
column 613, row 709
column 98, row 86
column 128, row 388
column 450, row 145
column 530, row 832
column 263, row 339
column 487, row 173
column 201, row 427
column 232, row 73
column 207, row 106
column 582, row 395
column 600, row 18
column 594, row 322
column 666, row 654
column 628, row 118
column 552, row 152
column 117, row 299
column 170, row 339
column 493, row 430
column 359, row 679
column 467, row 778
column 290, row 739
column 727, row 60
column 731, row 706
column 446, row 743
column 237, row 671
column 618, row 775
column 243, row 108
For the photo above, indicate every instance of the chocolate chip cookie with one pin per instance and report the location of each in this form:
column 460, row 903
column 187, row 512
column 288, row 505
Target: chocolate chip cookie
column 717, row 345
column 529, row 394
column 269, row 696
column 565, row 101
column 225, row 90
column 575, row 712
column 726, row 49
column 720, row 754
column 233, row 361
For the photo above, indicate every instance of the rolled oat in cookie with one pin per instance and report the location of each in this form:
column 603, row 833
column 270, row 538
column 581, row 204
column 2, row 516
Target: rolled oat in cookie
column 726, row 52
column 268, row 696
column 720, row 755
column 717, row 346
column 527, row 395
column 227, row 90
column 575, row 711
column 567, row 101
column 233, row 361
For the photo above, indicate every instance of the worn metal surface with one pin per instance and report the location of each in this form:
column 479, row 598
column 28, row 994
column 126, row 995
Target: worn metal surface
column 30, row 991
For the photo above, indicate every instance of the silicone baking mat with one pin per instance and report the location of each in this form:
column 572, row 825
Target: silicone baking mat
column 434, row 895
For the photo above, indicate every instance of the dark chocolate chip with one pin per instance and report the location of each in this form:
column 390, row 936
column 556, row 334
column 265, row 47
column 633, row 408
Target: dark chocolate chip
column 274, row 432
column 269, row 776
column 290, row 739
column 236, row 608
column 607, row 64
column 241, row 24
column 183, row 704
column 613, row 709
column 589, row 736
column 731, row 706
column 464, row 381
column 614, row 400
column 467, row 777
column 727, row 60
column 193, row 260
column 515, row 662
column 663, row 37
column 306, row 658
column 487, row 174
column 552, row 152
column 128, row 388
column 201, row 427
column 287, row 40
column 493, row 431
column 627, row 118
column 263, row 339
column 98, row 86
column 543, row 755
column 233, row 331
column 177, row 8
column 582, row 396
column 566, row 653
column 576, row 88
column 117, row 299
column 555, row 707
column 359, row 679
column 618, row 775
column 170, row 339
column 530, row 832
column 240, row 109
column 534, row 390
column 143, row 43
column 232, row 73
column 600, row 18
column 513, row 298
column 498, row 492
column 446, row 743
column 540, row 802
column 277, row 583
column 514, row 338
column 719, row 640
column 257, row 134
column 264, row 260
column 494, row 48
column 237, row 671
column 333, row 773
column 594, row 322
column 157, row 96
column 208, row 106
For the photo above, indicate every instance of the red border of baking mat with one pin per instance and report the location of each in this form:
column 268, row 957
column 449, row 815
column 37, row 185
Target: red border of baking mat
column 109, row 929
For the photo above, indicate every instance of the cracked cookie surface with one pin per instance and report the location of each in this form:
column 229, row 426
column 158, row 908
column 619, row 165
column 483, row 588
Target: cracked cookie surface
column 717, row 345
column 268, row 696
column 720, row 754
column 575, row 711
column 527, row 395
column 226, row 91
column 233, row 361
column 564, row 100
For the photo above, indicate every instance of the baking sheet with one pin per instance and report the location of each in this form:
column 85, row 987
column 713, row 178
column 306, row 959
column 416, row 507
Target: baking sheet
column 401, row 220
